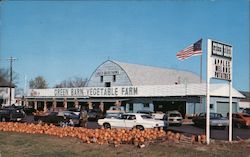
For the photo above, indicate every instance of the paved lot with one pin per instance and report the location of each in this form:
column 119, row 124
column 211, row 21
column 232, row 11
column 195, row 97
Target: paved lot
column 243, row 133
column 188, row 129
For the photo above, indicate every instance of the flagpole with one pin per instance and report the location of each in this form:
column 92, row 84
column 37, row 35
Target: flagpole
column 201, row 68
column 200, row 78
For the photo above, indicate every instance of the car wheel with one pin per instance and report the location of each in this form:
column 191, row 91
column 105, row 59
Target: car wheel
column 139, row 127
column 106, row 126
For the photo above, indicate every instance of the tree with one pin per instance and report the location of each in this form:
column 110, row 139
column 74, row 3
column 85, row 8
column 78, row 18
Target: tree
column 76, row 82
column 5, row 76
column 38, row 83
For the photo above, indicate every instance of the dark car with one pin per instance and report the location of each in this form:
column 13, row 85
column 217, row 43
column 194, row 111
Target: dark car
column 216, row 120
column 52, row 118
column 95, row 114
column 11, row 114
column 71, row 115
column 29, row 110
column 246, row 110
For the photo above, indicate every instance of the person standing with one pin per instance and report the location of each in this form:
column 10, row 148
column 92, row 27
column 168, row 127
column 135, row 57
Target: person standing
column 83, row 118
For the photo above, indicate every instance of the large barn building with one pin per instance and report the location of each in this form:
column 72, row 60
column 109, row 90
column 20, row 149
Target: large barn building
column 139, row 87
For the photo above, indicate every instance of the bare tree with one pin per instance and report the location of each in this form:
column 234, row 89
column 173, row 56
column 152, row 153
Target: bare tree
column 38, row 83
column 5, row 76
column 76, row 82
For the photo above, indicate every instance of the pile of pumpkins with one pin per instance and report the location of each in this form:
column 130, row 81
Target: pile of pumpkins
column 99, row 136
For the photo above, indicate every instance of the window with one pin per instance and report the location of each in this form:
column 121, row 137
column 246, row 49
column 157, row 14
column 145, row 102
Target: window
column 146, row 105
column 146, row 117
column 114, row 78
column 211, row 106
column 124, row 116
column 107, row 84
column 101, row 78
column 131, row 117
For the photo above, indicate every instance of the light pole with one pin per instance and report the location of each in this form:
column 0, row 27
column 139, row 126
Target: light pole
column 11, row 59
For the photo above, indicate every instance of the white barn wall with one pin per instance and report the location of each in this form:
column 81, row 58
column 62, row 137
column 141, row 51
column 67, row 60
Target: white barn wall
column 121, row 78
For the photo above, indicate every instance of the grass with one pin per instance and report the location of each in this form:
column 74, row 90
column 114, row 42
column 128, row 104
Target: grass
column 27, row 145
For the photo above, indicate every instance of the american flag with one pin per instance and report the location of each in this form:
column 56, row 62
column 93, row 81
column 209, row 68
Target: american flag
column 192, row 50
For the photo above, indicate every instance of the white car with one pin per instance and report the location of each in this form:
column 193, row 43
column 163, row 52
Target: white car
column 132, row 120
column 174, row 117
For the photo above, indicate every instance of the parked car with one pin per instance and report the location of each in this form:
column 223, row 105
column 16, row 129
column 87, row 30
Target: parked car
column 95, row 114
column 132, row 120
column 246, row 110
column 29, row 110
column 75, row 110
column 51, row 117
column 11, row 114
column 241, row 120
column 114, row 112
column 157, row 115
column 71, row 115
column 145, row 112
column 216, row 120
column 174, row 118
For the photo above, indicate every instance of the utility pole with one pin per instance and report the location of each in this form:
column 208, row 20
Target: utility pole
column 11, row 59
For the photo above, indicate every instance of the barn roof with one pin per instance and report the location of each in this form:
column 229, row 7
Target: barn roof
column 150, row 75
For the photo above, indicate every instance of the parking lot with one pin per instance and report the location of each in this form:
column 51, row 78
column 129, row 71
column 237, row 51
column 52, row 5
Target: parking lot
column 242, row 133
column 189, row 129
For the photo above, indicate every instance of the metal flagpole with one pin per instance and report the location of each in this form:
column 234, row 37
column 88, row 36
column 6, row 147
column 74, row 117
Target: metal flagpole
column 230, row 102
column 201, row 78
column 201, row 69
column 208, row 92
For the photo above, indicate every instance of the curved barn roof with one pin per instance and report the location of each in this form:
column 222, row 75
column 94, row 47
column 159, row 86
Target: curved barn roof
column 149, row 75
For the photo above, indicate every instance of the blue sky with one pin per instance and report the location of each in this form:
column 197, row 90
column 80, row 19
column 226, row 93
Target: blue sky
column 63, row 39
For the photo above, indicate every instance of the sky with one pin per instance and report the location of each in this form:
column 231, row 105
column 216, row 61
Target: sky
column 65, row 39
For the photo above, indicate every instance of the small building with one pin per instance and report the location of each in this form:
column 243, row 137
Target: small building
column 139, row 87
column 5, row 92
column 245, row 102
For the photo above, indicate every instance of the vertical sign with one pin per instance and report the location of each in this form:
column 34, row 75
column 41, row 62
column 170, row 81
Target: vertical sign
column 219, row 66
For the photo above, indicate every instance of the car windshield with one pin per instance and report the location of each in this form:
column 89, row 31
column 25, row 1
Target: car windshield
column 146, row 116
column 215, row 115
